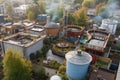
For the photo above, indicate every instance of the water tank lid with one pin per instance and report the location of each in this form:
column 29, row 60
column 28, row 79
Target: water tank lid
column 55, row 77
column 79, row 59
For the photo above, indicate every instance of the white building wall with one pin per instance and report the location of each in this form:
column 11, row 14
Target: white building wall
column 27, row 51
column 109, row 25
column 11, row 46
column 35, row 47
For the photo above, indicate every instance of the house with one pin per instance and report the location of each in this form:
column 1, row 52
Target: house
column 21, row 10
column 102, row 74
column 109, row 25
column 24, row 43
column 42, row 18
column 97, row 41
column 18, row 27
column 52, row 29
column 3, row 7
column 27, row 24
column 91, row 13
column 37, row 30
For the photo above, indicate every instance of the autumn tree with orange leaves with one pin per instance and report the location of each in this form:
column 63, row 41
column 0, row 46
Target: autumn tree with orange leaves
column 98, row 7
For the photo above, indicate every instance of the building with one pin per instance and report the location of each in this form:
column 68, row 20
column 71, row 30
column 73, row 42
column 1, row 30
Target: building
column 42, row 18
column 21, row 10
column 118, row 73
column 102, row 74
column 109, row 25
column 53, row 29
column 118, row 40
column 18, row 27
column 25, row 43
column 97, row 41
column 37, row 30
column 77, row 64
column 91, row 13
column 28, row 24
column 73, row 32
column 8, row 28
column 2, row 7
column 2, row 20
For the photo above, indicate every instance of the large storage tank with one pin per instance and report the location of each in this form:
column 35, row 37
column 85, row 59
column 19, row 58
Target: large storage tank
column 77, row 64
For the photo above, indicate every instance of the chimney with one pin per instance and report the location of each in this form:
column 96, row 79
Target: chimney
column 48, row 20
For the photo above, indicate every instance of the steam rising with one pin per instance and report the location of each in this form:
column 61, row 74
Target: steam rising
column 54, row 5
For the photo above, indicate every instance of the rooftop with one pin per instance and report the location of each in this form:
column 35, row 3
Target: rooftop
column 98, row 39
column 96, row 42
column 53, row 25
column 102, row 74
column 37, row 28
column 22, row 39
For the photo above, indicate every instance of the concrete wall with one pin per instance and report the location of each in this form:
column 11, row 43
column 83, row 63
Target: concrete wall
column 26, row 51
column 33, row 48
column 5, row 46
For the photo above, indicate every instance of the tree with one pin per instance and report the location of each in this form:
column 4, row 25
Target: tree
column 15, row 67
column 9, row 9
column 100, row 1
column 103, row 12
column 37, row 8
column 31, row 15
column 98, row 7
column 42, row 7
column 78, row 1
column 80, row 16
column 71, row 19
column 88, row 3
column 56, row 14
column 40, row 74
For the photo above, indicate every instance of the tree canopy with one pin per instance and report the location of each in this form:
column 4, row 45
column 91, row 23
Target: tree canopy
column 31, row 15
column 37, row 8
column 15, row 67
column 88, row 3
column 80, row 16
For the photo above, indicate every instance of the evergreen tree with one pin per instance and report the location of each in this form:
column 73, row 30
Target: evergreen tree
column 15, row 67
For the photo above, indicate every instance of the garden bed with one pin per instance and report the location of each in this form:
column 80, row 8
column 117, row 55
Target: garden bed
column 62, row 50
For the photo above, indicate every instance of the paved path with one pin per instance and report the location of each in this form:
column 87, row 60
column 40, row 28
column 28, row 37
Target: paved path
column 54, row 57
column 50, row 71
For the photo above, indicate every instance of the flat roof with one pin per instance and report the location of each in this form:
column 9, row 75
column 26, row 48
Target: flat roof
column 23, row 39
column 96, row 42
column 74, row 29
column 37, row 29
column 102, row 74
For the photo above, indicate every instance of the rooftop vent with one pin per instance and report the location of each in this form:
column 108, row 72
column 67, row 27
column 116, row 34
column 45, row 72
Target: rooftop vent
column 79, row 52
